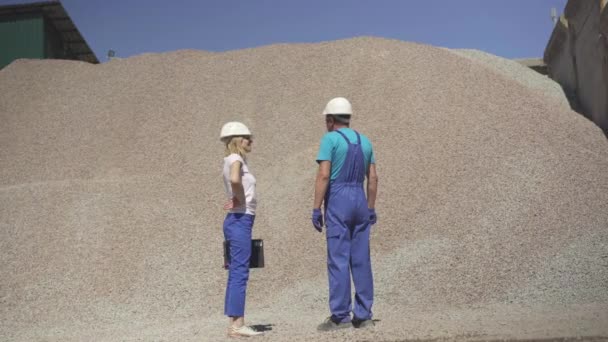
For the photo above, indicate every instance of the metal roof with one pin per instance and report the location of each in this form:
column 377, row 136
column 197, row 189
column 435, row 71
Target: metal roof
column 54, row 12
column 536, row 64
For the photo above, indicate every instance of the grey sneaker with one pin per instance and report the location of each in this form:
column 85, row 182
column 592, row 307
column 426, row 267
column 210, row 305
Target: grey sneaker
column 329, row 325
column 364, row 323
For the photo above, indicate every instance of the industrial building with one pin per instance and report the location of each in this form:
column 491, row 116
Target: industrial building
column 577, row 58
column 40, row 30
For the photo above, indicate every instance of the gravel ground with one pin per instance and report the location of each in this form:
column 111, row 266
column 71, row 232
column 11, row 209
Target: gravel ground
column 493, row 200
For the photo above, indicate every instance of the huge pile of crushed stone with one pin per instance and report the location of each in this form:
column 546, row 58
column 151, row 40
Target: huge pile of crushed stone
column 493, row 200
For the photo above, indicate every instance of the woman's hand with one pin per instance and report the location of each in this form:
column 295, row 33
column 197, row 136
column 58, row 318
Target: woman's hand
column 232, row 203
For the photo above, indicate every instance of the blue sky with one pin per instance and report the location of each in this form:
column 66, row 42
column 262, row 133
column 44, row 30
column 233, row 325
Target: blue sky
column 508, row 28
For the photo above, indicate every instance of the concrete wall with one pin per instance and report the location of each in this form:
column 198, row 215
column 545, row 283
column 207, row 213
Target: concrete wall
column 577, row 58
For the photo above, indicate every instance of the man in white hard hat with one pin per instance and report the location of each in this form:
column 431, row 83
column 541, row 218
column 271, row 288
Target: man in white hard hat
column 345, row 159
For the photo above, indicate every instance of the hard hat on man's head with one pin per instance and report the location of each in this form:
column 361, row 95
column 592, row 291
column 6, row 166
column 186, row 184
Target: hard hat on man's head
column 338, row 106
column 233, row 128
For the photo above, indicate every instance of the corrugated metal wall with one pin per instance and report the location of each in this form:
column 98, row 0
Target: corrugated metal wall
column 21, row 37
column 53, row 46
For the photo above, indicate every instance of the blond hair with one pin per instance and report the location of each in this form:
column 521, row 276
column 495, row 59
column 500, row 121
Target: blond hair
column 235, row 145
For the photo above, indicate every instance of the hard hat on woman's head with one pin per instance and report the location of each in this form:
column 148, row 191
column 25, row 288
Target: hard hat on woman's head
column 233, row 128
column 338, row 106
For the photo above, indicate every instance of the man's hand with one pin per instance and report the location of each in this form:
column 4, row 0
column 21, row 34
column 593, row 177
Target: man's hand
column 317, row 219
column 372, row 216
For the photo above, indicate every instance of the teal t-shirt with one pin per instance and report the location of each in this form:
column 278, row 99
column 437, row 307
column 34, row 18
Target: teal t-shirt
column 334, row 148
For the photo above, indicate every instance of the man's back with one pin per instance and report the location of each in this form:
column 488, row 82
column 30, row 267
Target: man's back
column 333, row 148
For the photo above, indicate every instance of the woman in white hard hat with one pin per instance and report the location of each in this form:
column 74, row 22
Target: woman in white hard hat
column 238, row 224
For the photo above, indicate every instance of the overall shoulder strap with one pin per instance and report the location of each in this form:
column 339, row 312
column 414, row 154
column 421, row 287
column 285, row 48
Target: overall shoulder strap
column 343, row 136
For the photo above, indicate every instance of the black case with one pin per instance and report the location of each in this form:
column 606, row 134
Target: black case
column 257, row 254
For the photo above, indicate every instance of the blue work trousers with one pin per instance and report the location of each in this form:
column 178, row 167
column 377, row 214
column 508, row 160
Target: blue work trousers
column 237, row 231
column 348, row 252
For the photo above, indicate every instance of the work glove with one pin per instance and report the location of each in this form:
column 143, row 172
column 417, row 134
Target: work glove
column 372, row 216
column 317, row 219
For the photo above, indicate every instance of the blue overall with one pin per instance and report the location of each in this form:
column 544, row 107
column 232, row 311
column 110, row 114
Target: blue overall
column 237, row 230
column 348, row 229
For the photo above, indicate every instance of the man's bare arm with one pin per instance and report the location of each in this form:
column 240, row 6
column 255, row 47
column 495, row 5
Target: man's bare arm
column 321, row 183
column 372, row 186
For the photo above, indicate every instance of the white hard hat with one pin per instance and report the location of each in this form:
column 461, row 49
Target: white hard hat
column 233, row 128
column 338, row 106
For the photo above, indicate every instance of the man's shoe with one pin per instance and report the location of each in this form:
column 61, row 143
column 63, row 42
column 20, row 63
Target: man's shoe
column 329, row 325
column 363, row 323
column 243, row 331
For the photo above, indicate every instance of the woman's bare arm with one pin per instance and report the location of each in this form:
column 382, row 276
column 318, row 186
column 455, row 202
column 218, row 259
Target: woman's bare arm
column 236, row 182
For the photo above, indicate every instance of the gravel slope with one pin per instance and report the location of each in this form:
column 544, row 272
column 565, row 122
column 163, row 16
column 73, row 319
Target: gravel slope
column 493, row 200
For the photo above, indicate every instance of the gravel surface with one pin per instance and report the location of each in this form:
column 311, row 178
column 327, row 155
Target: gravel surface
column 493, row 200
column 544, row 86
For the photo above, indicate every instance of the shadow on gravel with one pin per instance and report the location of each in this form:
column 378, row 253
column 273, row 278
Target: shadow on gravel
column 262, row 327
